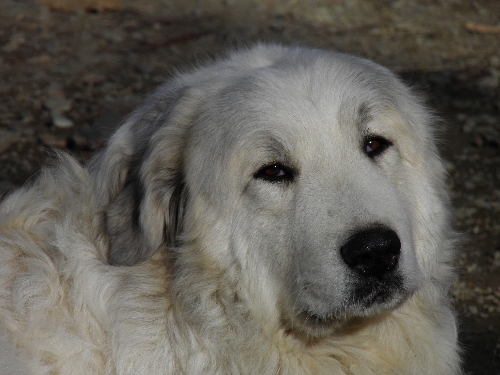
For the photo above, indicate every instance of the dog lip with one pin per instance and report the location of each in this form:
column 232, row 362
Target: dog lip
column 376, row 298
column 364, row 298
column 370, row 295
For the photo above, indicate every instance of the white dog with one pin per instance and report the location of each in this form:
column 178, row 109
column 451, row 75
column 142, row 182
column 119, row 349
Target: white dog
column 282, row 211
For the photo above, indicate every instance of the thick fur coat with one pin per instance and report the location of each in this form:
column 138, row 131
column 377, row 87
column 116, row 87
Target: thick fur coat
column 281, row 211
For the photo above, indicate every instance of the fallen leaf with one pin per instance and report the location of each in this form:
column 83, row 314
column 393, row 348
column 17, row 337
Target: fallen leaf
column 481, row 28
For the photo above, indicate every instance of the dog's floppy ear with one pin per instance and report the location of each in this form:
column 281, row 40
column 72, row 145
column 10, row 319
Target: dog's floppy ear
column 141, row 179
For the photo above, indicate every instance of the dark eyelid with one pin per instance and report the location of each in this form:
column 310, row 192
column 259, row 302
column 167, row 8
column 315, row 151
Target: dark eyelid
column 288, row 176
column 384, row 142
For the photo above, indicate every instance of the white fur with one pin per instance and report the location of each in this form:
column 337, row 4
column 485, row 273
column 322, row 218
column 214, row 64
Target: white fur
column 169, row 255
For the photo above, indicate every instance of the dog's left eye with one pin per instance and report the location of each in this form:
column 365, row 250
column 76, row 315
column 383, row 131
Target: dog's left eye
column 274, row 173
column 374, row 146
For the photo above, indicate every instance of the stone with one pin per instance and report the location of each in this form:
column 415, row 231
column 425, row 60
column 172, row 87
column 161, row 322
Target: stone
column 60, row 121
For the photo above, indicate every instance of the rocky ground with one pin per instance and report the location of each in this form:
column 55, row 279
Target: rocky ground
column 66, row 80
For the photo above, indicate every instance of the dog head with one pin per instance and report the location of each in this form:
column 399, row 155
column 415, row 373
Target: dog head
column 314, row 174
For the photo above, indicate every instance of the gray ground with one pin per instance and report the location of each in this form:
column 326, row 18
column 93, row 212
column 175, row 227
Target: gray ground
column 66, row 79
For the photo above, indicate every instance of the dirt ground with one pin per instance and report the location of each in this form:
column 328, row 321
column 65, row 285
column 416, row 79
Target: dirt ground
column 66, row 80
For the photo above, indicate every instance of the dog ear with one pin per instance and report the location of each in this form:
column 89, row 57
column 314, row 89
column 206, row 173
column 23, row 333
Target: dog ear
column 140, row 173
column 139, row 221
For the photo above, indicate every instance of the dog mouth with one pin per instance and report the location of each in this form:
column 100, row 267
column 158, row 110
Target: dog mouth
column 367, row 298
column 360, row 305
column 370, row 293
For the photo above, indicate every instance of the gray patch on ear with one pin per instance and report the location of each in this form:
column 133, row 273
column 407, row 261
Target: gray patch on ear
column 175, row 215
column 128, row 245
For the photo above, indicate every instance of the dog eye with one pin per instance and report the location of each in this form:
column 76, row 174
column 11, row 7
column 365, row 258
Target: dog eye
column 374, row 146
column 274, row 173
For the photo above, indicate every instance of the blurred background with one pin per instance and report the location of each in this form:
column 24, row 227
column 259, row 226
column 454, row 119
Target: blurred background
column 70, row 70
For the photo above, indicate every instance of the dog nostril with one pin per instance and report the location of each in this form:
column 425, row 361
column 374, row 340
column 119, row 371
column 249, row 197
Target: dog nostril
column 372, row 252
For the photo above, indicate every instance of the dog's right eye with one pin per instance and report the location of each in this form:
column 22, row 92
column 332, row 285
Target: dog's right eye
column 274, row 173
column 374, row 146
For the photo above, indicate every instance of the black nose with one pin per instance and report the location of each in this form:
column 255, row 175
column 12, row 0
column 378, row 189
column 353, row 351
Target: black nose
column 372, row 252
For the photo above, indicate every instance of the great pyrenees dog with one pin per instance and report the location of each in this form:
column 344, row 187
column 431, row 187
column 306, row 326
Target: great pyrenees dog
column 281, row 211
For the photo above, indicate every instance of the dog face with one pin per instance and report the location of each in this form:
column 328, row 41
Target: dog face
column 298, row 168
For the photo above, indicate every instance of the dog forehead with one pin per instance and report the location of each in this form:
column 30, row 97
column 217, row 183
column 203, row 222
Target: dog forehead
column 284, row 104
column 325, row 99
